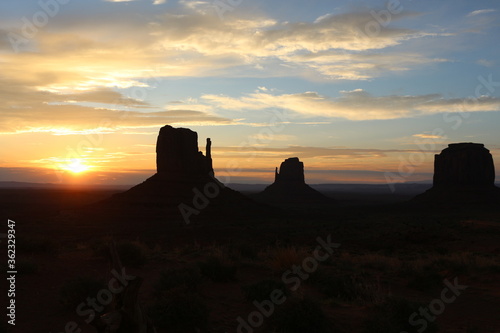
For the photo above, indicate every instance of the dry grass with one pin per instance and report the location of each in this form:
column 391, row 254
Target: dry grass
column 280, row 259
column 370, row 260
column 461, row 262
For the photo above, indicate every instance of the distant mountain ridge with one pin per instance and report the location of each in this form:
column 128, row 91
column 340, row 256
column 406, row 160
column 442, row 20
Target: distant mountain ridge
column 28, row 185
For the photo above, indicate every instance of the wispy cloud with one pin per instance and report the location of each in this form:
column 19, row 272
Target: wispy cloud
column 354, row 105
column 307, row 152
column 486, row 63
column 429, row 136
column 65, row 120
column 24, row 109
column 481, row 11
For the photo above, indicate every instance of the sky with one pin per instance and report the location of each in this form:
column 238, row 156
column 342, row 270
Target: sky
column 360, row 91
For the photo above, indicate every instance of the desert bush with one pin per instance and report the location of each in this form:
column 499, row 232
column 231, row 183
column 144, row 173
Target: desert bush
column 378, row 262
column 131, row 253
column 343, row 261
column 180, row 310
column 25, row 266
column 75, row 291
column 472, row 329
column 281, row 259
column 348, row 287
column 35, row 244
column 217, row 270
column 468, row 261
column 393, row 316
column 100, row 247
column 187, row 277
column 426, row 280
column 262, row 290
column 298, row 315
column 458, row 263
column 246, row 250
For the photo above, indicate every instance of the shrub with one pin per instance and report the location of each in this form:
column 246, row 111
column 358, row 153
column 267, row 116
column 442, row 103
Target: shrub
column 426, row 280
column 262, row 290
column 217, row 270
column 100, row 248
column 348, row 287
column 131, row 253
column 299, row 316
column 393, row 316
column 188, row 277
column 180, row 310
column 246, row 250
column 35, row 244
column 75, row 291
column 283, row 258
column 378, row 262
column 26, row 266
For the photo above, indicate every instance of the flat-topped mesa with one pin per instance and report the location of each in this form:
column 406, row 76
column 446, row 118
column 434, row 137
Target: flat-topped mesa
column 464, row 165
column 177, row 154
column 291, row 171
column 289, row 186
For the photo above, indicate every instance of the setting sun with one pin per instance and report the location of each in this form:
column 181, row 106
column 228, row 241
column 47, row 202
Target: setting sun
column 76, row 166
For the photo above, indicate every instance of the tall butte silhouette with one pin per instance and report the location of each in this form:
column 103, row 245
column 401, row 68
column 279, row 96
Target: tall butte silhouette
column 290, row 187
column 463, row 173
column 184, row 184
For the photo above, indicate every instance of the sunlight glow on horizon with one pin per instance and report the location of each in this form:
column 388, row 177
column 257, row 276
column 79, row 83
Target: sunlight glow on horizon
column 76, row 166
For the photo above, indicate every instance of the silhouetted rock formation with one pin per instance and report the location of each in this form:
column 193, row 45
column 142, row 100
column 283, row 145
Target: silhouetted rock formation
column 291, row 171
column 184, row 184
column 464, row 165
column 177, row 154
column 463, row 172
column 290, row 187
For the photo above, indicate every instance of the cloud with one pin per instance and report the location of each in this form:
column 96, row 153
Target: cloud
column 25, row 109
column 354, row 105
column 73, row 119
column 481, row 11
column 4, row 41
column 273, row 137
column 131, row 50
column 361, row 66
column 486, row 63
column 55, row 176
column 429, row 136
column 15, row 94
column 306, row 152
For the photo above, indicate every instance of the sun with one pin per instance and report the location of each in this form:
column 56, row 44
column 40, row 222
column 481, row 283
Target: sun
column 76, row 166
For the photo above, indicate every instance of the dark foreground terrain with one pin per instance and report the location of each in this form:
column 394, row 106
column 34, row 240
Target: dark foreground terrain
column 366, row 263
